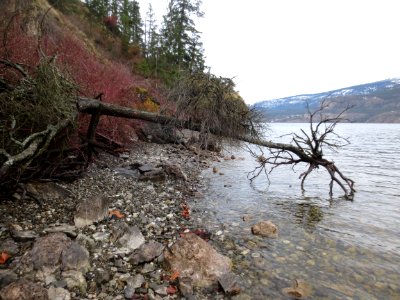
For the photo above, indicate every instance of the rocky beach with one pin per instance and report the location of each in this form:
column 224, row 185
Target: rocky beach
column 124, row 230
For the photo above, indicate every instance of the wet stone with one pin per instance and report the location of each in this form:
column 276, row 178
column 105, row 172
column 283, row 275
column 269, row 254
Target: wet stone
column 265, row 228
column 229, row 284
column 192, row 257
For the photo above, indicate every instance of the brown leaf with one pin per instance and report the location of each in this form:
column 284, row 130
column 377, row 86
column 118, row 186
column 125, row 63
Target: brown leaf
column 116, row 213
column 174, row 276
column 4, row 256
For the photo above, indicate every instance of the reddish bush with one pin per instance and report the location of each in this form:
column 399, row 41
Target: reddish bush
column 93, row 73
column 111, row 23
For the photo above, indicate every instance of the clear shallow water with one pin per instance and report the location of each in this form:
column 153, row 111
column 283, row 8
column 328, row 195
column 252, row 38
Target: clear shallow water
column 343, row 249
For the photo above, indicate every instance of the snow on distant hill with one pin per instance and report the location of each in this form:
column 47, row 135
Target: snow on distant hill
column 369, row 100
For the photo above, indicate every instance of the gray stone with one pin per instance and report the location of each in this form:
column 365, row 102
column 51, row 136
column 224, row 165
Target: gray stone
column 132, row 283
column 127, row 172
column 23, row 290
column 146, row 168
column 229, row 284
column 75, row 257
column 136, row 281
column 75, row 279
column 186, row 286
column 10, row 247
column 131, row 238
column 265, row 228
column 129, row 292
column 146, row 252
column 47, row 191
column 102, row 276
column 154, row 175
column 20, row 235
column 147, row 268
column 174, row 169
column 6, row 277
column 58, row 294
column 161, row 290
column 91, row 210
column 192, row 257
column 101, row 236
column 46, row 251
column 69, row 230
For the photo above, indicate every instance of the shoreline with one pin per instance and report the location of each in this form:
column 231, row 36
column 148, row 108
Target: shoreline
column 156, row 207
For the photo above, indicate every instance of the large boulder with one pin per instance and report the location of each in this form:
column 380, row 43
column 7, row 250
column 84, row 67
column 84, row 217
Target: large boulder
column 46, row 251
column 194, row 258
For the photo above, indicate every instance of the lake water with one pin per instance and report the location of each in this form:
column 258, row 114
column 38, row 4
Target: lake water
column 342, row 249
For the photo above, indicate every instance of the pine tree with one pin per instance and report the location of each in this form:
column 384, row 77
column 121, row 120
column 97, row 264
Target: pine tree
column 130, row 24
column 99, row 8
column 181, row 40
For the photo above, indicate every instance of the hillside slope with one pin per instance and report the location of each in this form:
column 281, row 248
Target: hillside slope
column 377, row 102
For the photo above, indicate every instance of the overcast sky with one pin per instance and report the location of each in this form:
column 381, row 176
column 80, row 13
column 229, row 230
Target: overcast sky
column 278, row 48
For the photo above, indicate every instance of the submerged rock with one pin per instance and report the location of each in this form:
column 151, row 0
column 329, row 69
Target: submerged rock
column 229, row 284
column 299, row 290
column 265, row 228
column 192, row 257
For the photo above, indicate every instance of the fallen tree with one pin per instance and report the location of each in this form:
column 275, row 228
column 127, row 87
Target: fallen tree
column 305, row 147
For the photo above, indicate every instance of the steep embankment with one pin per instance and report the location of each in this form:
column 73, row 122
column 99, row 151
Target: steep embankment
column 377, row 102
column 83, row 48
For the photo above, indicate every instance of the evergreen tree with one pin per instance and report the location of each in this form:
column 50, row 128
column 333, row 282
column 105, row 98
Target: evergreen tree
column 181, row 40
column 130, row 23
column 99, row 8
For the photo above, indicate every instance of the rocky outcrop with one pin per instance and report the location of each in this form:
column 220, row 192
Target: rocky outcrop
column 194, row 258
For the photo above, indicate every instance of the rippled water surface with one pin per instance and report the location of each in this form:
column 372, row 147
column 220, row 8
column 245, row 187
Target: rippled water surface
column 343, row 249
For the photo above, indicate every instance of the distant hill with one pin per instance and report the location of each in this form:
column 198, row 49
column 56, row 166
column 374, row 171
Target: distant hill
column 377, row 102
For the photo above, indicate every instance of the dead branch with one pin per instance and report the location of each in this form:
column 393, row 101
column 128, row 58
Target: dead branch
column 32, row 147
column 308, row 148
